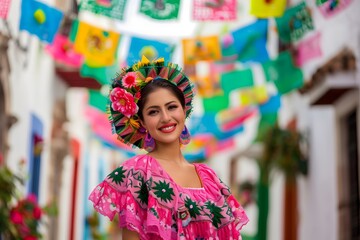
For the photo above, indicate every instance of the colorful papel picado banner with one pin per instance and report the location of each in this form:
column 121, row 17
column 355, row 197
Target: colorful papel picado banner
column 109, row 8
column 295, row 23
column 267, row 8
column 98, row 46
column 39, row 19
column 204, row 10
column 160, row 10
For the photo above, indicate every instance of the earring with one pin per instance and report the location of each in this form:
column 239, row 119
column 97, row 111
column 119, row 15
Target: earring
column 185, row 136
column 149, row 144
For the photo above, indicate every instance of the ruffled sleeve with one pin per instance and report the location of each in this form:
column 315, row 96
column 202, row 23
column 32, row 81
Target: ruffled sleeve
column 140, row 196
column 237, row 210
column 124, row 192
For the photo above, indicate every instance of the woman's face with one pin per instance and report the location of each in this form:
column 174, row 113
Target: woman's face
column 164, row 117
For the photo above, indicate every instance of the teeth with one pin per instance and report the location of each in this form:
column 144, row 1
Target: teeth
column 168, row 128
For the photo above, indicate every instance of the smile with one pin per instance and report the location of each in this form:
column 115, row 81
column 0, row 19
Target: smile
column 168, row 128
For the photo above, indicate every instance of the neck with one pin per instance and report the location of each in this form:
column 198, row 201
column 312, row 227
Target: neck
column 168, row 152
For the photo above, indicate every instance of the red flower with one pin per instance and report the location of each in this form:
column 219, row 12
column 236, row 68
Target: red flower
column 30, row 238
column 37, row 212
column 16, row 217
column 129, row 80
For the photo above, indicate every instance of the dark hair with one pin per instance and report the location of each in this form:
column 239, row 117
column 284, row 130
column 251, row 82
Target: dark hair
column 154, row 85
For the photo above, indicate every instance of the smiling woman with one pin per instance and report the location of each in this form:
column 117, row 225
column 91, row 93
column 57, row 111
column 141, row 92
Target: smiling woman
column 160, row 195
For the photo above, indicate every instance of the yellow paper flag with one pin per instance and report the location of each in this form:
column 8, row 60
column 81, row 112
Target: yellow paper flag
column 98, row 46
column 254, row 95
column 267, row 8
column 201, row 49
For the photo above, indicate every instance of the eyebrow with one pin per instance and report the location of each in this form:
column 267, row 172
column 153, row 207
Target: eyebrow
column 155, row 106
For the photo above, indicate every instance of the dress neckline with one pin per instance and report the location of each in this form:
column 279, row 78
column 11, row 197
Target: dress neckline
column 171, row 179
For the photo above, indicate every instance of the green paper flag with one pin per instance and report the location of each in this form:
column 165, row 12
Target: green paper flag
column 97, row 100
column 160, row 9
column 236, row 79
column 73, row 30
column 216, row 103
column 109, row 8
column 102, row 74
column 283, row 73
column 293, row 25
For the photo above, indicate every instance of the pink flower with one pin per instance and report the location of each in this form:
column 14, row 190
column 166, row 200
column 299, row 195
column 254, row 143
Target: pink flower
column 16, row 217
column 129, row 80
column 123, row 102
column 32, row 198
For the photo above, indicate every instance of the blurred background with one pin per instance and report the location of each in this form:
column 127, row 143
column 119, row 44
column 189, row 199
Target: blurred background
column 275, row 113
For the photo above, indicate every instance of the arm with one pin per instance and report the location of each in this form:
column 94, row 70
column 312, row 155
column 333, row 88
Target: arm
column 129, row 235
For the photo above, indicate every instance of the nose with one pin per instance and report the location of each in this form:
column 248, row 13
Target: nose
column 165, row 116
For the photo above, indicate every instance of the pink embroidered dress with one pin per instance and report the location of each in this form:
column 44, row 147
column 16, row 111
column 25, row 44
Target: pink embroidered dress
column 149, row 202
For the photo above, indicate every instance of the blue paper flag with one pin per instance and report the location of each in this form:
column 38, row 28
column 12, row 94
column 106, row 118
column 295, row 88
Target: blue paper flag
column 39, row 19
column 250, row 42
column 207, row 124
column 149, row 48
column 271, row 106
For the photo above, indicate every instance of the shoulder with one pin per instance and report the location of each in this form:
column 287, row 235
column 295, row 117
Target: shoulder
column 210, row 178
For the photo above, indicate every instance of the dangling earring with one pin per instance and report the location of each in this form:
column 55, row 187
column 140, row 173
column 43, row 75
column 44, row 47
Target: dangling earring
column 149, row 144
column 185, row 136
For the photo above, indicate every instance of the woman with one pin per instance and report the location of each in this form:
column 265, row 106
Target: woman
column 160, row 195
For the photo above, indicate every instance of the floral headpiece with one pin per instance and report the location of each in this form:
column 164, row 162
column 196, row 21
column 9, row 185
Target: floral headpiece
column 125, row 93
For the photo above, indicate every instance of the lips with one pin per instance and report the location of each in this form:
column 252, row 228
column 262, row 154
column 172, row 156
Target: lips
column 168, row 128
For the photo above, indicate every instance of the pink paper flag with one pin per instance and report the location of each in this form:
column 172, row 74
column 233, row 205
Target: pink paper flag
column 62, row 50
column 224, row 10
column 308, row 49
column 4, row 8
column 332, row 7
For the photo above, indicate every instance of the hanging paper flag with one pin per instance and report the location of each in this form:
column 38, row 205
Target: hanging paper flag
column 201, row 49
column 97, row 100
column 207, row 79
column 295, row 23
column 233, row 118
column 236, row 79
column 253, row 96
column 250, row 42
column 39, row 19
column 98, row 46
column 103, row 75
column 62, row 50
column 149, row 48
column 271, row 106
column 206, row 124
column 283, row 73
column 109, row 8
column 224, row 10
column 4, row 8
column 308, row 49
column 332, row 7
column 228, row 50
column 267, row 8
column 160, row 9
column 216, row 103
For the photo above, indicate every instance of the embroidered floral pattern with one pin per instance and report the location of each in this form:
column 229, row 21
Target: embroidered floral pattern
column 215, row 213
column 143, row 192
column 192, row 206
column 163, row 191
column 117, row 175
